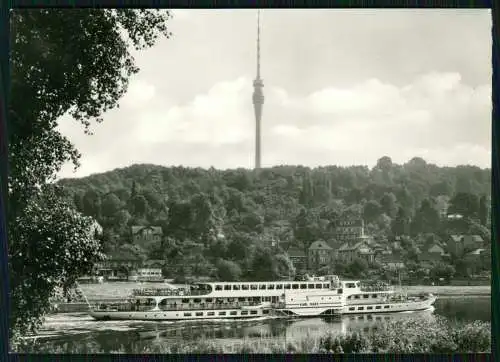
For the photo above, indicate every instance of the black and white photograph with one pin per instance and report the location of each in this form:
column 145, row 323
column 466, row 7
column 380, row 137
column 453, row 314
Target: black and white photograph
column 250, row 181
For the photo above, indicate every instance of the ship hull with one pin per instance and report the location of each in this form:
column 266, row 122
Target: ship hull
column 404, row 306
column 160, row 315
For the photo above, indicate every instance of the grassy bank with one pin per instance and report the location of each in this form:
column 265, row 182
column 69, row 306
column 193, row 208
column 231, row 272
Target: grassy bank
column 401, row 336
column 450, row 290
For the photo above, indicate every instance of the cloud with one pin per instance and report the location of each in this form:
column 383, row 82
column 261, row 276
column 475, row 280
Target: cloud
column 436, row 116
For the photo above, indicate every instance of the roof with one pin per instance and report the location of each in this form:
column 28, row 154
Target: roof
column 153, row 262
column 155, row 229
column 123, row 255
column 320, row 245
column 357, row 246
column 476, row 252
column 435, row 249
column 458, row 238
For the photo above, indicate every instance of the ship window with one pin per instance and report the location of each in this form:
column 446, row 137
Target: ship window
column 233, row 312
column 210, row 314
column 361, row 308
column 377, row 307
column 366, row 296
column 266, row 311
column 287, row 286
column 310, row 286
column 279, row 286
column 374, row 295
column 356, row 297
column 244, row 287
column 350, row 285
column 326, row 286
column 295, row 286
column 270, row 286
column 386, row 307
column 199, row 314
column 222, row 313
column 187, row 314
column 349, row 297
column 262, row 287
column 244, row 312
column 236, row 287
column 227, row 287
column 351, row 308
column 208, row 300
column 197, row 300
column 241, row 299
column 253, row 312
column 303, row 286
column 340, row 291
column 319, row 286
column 185, row 301
column 253, row 287
column 369, row 307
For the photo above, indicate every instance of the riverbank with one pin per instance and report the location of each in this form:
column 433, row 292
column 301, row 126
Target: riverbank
column 450, row 290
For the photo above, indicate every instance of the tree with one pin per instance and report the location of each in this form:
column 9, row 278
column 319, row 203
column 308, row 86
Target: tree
column 444, row 271
column 357, row 267
column 483, row 210
column 262, row 265
column 388, row 204
column 110, row 205
column 228, row 271
column 371, row 211
column 426, row 219
column 400, row 225
column 52, row 246
column 63, row 61
column 465, row 204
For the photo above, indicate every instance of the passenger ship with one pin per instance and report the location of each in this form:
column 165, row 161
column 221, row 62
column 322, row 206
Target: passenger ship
column 321, row 296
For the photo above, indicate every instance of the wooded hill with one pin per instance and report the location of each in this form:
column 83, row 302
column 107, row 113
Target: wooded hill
column 290, row 204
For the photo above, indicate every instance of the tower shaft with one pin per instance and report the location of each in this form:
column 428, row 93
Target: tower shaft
column 258, row 101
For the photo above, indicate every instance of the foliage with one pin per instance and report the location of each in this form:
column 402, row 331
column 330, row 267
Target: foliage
column 228, row 271
column 64, row 62
column 52, row 246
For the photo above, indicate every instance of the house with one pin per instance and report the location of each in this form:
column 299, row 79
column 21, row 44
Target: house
column 153, row 263
column 475, row 256
column 349, row 230
column 298, row 258
column 147, row 235
column 319, row 254
column 349, row 252
column 391, row 261
column 460, row 244
column 118, row 265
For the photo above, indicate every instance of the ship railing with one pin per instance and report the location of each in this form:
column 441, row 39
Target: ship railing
column 376, row 288
column 168, row 292
column 172, row 307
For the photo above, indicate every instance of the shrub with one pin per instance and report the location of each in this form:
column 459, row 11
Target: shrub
column 473, row 337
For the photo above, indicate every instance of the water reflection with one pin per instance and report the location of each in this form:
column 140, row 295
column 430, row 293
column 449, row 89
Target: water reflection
column 79, row 333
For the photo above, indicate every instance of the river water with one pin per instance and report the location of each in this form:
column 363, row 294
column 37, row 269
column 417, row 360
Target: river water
column 77, row 331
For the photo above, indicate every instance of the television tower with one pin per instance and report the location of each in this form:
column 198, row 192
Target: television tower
column 258, row 100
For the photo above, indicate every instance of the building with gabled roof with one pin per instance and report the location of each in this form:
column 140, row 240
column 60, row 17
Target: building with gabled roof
column 319, row 254
column 348, row 252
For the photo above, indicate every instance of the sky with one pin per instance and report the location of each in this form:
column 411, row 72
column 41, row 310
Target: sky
column 342, row 87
